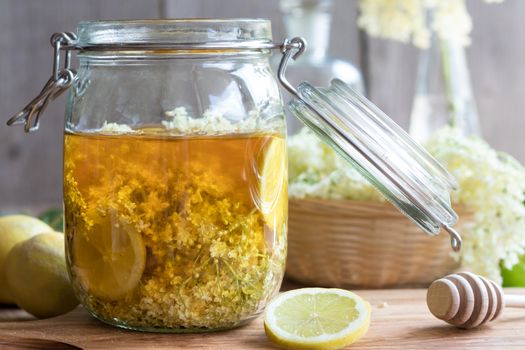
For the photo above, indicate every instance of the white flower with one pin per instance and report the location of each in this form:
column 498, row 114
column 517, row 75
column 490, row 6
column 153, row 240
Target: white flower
column 451, row 21
column 406, row 20
column 115, row 128
column 402, row 20
column 316, row 171
column 492, row 188
column 213, row 121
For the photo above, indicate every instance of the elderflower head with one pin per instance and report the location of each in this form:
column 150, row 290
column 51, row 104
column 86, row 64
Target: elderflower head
column 316, row 171
column 492, row 188
column 214, row 121
column 415, row 20
column 402, row 20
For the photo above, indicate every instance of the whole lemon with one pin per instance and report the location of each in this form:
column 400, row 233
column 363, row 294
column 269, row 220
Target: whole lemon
column 37, row 276
column 15, row 229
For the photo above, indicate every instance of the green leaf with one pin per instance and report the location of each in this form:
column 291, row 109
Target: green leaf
column 54, row 218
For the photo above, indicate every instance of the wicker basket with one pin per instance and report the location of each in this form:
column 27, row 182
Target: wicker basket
column 341, row 243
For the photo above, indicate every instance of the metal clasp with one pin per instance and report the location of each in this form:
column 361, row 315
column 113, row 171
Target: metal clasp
column 59, row 82
column 290, row 49
column 63, row 78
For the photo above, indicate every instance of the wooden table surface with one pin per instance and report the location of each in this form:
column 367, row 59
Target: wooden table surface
column 400, row 320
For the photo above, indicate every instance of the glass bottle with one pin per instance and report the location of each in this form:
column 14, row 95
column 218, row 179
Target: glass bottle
column 311, row 19
column 443, row 91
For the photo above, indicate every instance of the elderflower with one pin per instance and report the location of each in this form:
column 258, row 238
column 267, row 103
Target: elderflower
column 402, row 20
column 414, row 20
column 206, row 254
column 316, row 171
column 492, row 188
column 115, row 128
column 213, row 121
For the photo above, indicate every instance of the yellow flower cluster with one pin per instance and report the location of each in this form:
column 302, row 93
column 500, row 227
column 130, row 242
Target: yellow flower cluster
column 209, row 261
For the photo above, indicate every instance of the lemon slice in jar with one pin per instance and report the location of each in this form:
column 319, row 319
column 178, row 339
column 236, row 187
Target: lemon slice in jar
column 273, row 190
column 316, row 318
column 109, row 259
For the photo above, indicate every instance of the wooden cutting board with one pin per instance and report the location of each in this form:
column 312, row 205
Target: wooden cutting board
column 400, row 320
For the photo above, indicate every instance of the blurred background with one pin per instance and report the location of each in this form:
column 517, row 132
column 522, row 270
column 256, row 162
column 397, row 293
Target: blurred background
column 31, row 165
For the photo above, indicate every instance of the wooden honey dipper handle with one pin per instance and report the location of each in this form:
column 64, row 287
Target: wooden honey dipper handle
column 467, row 300
column 515, row 301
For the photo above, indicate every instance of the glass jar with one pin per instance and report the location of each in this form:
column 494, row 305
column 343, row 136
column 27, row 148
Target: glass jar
column 175, row 176
column 175, row 167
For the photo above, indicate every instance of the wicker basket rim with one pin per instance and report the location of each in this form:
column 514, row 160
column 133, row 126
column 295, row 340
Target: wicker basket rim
column 360, row 208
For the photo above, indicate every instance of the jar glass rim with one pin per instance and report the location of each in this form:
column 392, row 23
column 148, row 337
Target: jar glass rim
column 173, row 31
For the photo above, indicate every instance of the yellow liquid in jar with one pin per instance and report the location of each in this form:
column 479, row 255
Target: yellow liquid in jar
column 168, row 232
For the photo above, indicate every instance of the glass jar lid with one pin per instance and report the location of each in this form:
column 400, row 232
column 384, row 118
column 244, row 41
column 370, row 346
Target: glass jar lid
column 173, row 33
column 403, row 171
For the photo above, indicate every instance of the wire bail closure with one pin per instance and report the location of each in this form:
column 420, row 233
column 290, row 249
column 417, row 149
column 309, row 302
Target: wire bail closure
column 287, row 49
column 60, row 81
column 62, row 78
column 293, row 49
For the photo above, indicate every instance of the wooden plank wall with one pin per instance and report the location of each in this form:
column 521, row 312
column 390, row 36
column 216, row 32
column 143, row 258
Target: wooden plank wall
column 30, row 165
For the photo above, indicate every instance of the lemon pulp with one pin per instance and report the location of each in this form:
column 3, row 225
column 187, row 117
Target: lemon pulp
column 109, row 262
column 273, row 184
column 317, row 318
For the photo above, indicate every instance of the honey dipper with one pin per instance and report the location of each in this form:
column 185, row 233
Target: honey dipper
column 467, row 300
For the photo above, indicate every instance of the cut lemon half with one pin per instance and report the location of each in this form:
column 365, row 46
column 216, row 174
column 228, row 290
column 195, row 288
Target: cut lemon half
column 316, row 318
column 273, row 191
column 109, row 259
